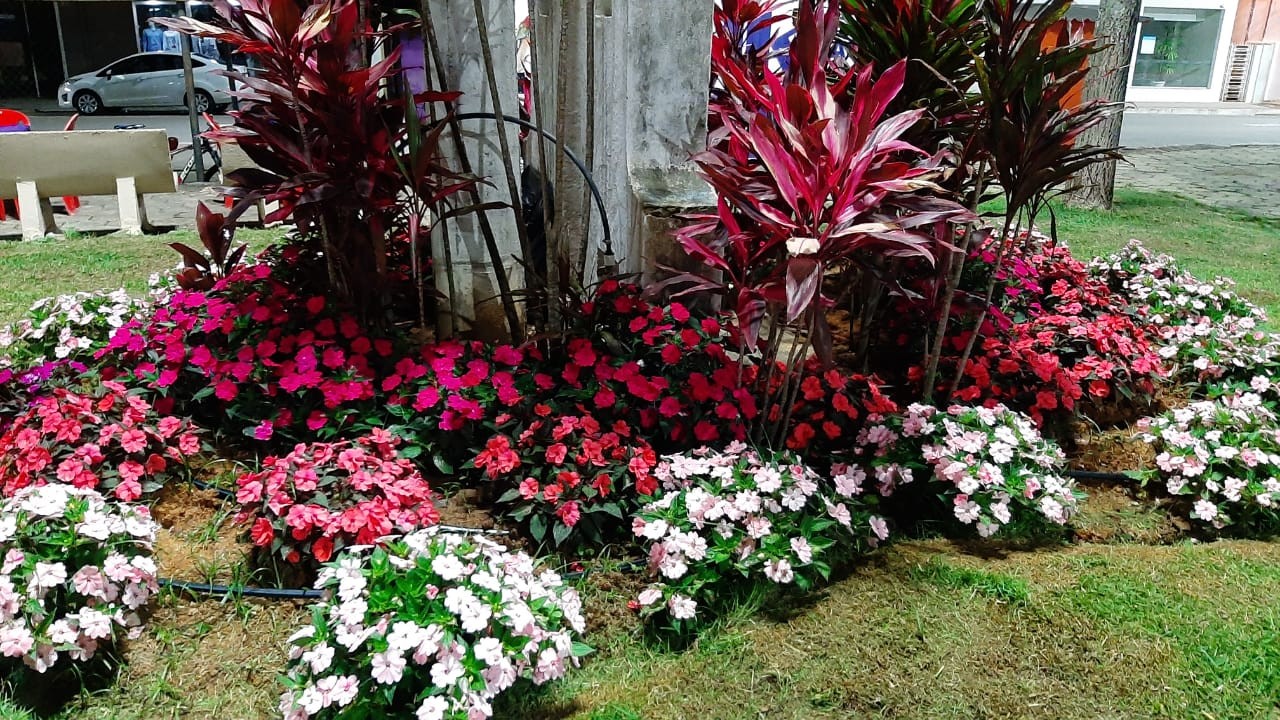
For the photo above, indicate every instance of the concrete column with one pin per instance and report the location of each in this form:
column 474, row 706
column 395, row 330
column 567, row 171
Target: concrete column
column 478, row 311
column 667, row 124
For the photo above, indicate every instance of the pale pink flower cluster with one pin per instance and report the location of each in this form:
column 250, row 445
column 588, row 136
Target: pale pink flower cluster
column 51, row 608
column 992, row 463
column 1224, row 453
column 1208, row 331
column 485, row 618
column 68, row 326
column 767, row 516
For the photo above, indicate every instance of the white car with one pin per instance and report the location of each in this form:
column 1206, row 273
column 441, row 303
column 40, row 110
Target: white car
column 151, row 79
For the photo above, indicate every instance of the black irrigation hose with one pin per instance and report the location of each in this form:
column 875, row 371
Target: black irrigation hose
column 1092, row 475
column 227, row 590
column 222, row 492
column 582, row 168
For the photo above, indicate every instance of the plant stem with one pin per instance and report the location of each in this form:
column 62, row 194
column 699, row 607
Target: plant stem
column 507, row 164
column 460, row 148
column 955, row 271
column 1007, row 240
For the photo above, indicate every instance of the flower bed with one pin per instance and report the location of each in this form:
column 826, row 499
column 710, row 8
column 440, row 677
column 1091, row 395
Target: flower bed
column 105, row 437
column 1223, row 457
column 71, row 326
column 432, row 626
column 989, row 466
column 1056, row 337
column 722, row 518
column 1205, row 328
column 76, row 571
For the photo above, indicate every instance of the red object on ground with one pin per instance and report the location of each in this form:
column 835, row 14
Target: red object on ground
column 71, row 202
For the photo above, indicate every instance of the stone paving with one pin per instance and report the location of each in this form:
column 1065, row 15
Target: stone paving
column 1243, row 177
column 99, row 214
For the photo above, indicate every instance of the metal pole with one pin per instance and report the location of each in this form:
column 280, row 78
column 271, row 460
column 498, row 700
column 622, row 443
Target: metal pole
column 62, row 44
column 35, row 71
column 231, row 85
column 192, row 115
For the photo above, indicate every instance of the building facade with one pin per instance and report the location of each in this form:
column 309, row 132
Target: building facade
column 42, row 43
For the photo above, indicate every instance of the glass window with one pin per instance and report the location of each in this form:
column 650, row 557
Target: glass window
column 1176, row 47
column 129, row 66
column 166, row 62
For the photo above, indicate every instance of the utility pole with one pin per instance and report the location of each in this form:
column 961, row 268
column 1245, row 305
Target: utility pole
column 192, row 115
column 1107, row 80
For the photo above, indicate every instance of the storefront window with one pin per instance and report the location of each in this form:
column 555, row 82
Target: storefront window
column 1176, row 47
column 154, row 38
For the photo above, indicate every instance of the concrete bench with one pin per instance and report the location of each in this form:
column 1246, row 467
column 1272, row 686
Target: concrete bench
column 35, row 166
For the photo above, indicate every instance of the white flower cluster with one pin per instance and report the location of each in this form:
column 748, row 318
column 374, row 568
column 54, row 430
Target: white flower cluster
column 1205, row 327
column 51, row 607
column 723, row 515
column 992, row 462
column 1224, row 453
column 480, row 617
column 69, row 326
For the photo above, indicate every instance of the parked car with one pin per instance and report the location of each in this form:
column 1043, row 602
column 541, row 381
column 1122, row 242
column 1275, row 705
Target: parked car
column 151, row 79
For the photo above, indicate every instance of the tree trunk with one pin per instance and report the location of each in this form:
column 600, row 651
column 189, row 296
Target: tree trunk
column 1107, row 80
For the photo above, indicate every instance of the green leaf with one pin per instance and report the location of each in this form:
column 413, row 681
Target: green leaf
column 581, row 649
column 538, row 527
column 560, row 532
column 443, row 465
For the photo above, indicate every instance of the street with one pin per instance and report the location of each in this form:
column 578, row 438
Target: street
column 175, row 123
column 1148, row 130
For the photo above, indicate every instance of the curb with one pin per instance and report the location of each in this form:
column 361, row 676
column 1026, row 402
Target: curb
column 1174, row 110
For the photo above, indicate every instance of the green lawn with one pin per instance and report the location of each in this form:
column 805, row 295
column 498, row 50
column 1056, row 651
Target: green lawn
column 921, row 629
column 1207, row 240
column 40, row 268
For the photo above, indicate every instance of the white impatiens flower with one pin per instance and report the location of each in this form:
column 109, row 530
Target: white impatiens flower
column 804, row 553
column 779, row 571
column 433, row 708
column 387, row 667
column 682, row 608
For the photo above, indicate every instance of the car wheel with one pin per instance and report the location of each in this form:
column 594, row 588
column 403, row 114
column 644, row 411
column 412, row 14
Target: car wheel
column 87, row 102
column 204, row 102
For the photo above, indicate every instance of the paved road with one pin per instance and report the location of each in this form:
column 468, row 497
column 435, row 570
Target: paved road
column 1169, row 130
column 175, row 123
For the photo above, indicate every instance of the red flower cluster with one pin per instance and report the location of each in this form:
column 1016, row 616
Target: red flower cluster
column 324, row 496
column 656, row 367
column 566, row 475
column 830, row 409
column 106, row 438
column 1057, row 338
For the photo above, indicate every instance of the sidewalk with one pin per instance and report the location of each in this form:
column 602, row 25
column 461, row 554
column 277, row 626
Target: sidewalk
column 99, row 214
column 1218, row 108
column 34, row 106
column 1241, row 177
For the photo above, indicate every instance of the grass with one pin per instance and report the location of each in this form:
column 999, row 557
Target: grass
column 1208, row 241
column 40, row 268
column 933, row 629
column 920, row 630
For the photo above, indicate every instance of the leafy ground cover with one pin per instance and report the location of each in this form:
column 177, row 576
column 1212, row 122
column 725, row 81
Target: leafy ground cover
column 1119, row 625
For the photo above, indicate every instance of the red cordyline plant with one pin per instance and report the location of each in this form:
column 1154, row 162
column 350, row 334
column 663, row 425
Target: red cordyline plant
column 807, row 186
column 340, row 155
